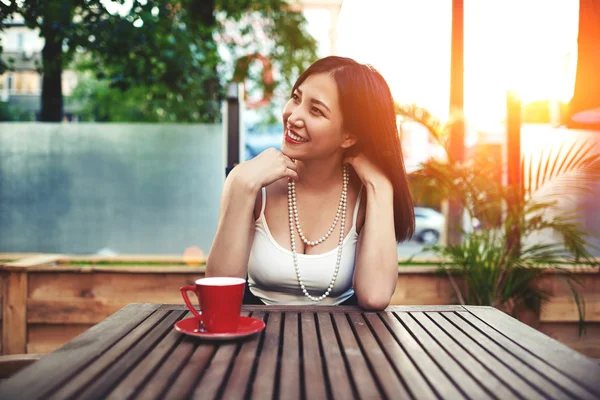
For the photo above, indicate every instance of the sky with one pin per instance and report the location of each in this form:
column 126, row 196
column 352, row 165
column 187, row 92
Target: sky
column 529, row 46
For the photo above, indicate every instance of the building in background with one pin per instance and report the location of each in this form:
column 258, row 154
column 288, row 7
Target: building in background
column 22, row 87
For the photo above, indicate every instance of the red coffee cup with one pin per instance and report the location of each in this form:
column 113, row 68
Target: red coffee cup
column 220, row 300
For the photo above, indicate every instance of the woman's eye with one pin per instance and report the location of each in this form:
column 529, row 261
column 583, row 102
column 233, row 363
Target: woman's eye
column 317, row 111
column 295, row 97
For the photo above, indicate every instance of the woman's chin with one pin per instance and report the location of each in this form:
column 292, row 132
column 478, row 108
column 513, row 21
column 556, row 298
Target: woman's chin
column 288, row 149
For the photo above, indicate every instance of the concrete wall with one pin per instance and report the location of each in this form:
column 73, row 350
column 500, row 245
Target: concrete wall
column 132, row 188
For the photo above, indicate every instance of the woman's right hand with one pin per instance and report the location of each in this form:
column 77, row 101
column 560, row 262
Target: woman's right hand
column 266, row 168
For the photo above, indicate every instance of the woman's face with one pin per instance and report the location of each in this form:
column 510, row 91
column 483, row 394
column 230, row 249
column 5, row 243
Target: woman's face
column 312, row 120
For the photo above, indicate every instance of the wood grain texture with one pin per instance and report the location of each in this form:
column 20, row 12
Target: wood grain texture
column 137, row 258
column 497, row 370
column 439, row 329
column 290, row 379
column 213, row 381
column 41, row 260
column 435, row 376
column 564, row 309
column 587, row 344
column 404, row 366
column 539, row 351
column 16, row 256
column 116, row 363
column 44, row 338
column 533, row 378
column 82, row 311
column 63, row 364
column 176, row 269
column 333, row 354
column 459, row 376
column 263, row 386
column 364, row 383
column 143, row 372
column 244, row 368
column 14, row 322
column 313, row 373
column 108, row 287
column 387, row 380
column 177, row 375
column 310, row 352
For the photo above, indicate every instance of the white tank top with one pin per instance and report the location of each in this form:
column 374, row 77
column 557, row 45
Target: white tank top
column 271, row 274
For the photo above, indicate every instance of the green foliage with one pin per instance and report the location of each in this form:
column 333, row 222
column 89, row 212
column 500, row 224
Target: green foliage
column 97, row 101
column 176, row 73
column 5, row 11
column 10, row 112
column 162, row 54
column 498, row 269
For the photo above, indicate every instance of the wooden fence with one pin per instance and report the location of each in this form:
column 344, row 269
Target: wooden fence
column 49, row 299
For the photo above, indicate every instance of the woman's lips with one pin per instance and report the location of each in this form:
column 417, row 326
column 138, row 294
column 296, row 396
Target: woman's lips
column 289, row 139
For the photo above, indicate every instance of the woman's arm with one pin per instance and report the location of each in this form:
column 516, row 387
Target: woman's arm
column 231, row 248
column 376, row 267
column 376, row 264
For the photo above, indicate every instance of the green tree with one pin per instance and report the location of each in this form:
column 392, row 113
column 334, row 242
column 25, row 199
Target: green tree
column 5, row 11
column 166, row 46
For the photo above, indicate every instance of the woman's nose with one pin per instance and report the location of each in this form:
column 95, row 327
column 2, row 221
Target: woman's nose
column 295, row 120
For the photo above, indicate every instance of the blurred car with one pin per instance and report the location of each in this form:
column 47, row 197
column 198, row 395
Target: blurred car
column 429, row 225
column 260, row 138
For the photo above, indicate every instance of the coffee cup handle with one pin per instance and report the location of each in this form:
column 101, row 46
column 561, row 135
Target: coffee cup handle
column 188, row 303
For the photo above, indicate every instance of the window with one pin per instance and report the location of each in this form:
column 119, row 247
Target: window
column 20, row 41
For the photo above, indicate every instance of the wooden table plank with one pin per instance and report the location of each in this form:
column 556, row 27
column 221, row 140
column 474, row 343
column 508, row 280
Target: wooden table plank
column 335, row 368
column 315, row 378
column 143, row 372
column 459, row 376
column 434, row 375
column 577, row 366
column 345, row 309
column 385, row 374
column 419, row 387
column 493, row 387
column 422, row 352
column 365, row 384
column 566, row 384
column 182, row 370
column 112, row 366
column 290, row 379
column 62, row 365
column 215, row 375
column 176, row 374
column 490, row 363
column 267, row 372
column 245, row 366
column 539, row 382
column 213, row 381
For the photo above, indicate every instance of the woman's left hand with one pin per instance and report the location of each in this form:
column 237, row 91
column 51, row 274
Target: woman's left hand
column 367, row 171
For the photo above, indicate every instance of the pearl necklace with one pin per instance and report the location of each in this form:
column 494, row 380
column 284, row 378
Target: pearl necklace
column 293, row 217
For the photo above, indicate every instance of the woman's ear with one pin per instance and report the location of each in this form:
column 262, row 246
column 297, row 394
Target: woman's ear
column 349, row 140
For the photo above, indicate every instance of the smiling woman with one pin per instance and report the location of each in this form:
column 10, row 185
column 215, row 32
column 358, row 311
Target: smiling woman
column 340, row 175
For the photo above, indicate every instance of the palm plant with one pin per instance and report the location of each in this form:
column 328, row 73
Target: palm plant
column 498, row 269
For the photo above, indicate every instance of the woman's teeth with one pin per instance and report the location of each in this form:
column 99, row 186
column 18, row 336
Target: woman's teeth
column 296, row 137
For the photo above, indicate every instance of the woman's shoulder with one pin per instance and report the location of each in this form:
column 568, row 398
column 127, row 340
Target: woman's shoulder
column 274, row 190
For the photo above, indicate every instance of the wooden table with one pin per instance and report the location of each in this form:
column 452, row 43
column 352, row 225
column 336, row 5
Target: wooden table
column 424, row 352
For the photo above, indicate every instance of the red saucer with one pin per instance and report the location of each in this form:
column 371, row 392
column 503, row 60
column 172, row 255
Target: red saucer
column 247, row 326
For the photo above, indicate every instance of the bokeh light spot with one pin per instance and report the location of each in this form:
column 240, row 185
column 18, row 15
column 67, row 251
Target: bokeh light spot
column 193, row 256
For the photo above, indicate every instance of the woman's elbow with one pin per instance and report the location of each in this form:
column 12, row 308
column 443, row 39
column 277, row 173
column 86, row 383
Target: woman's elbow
column 373, row 302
